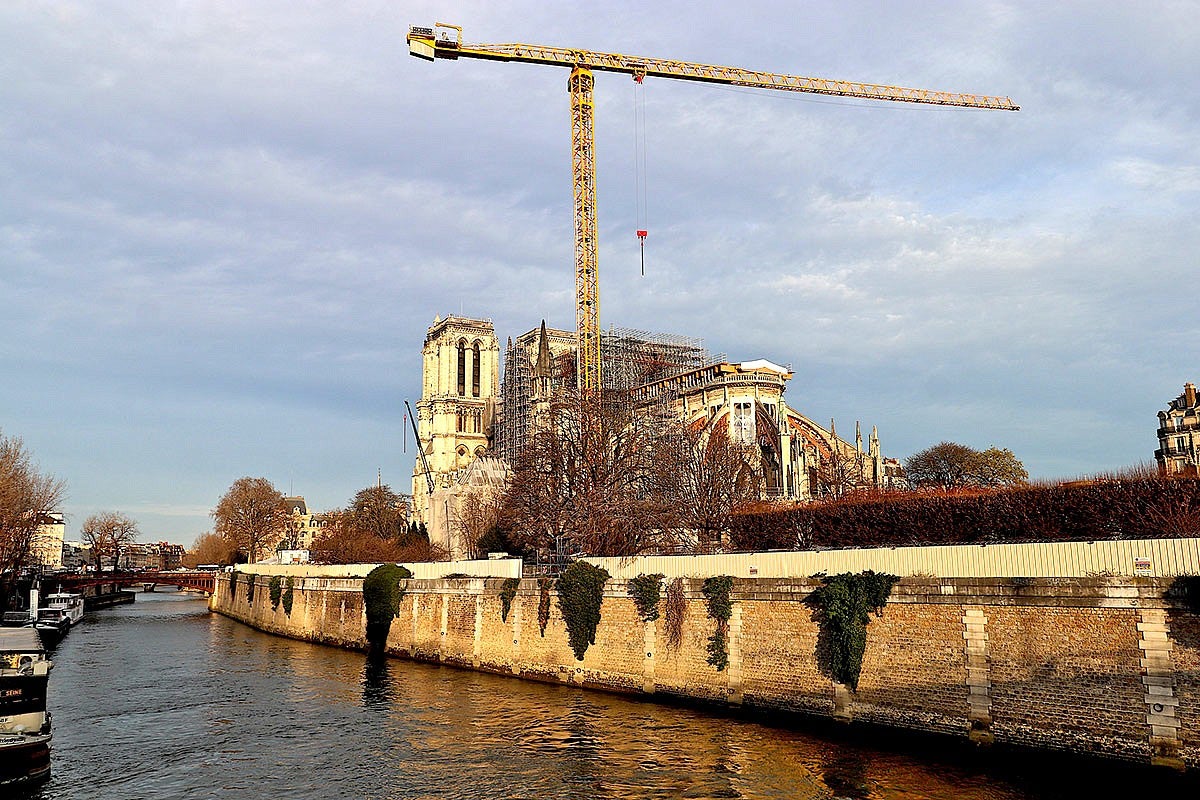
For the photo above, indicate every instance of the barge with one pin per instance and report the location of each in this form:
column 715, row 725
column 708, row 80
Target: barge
column 24, row 722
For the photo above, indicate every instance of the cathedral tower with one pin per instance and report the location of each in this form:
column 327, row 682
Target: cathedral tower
column 460, row 382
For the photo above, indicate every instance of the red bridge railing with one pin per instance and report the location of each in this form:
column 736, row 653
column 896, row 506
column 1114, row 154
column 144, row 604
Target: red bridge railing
column 71, row 582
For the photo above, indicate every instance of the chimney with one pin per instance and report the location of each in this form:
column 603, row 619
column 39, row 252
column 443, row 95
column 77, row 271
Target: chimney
column 1189, row 395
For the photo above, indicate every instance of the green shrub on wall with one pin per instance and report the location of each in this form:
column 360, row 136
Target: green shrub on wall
column 645, row 591
column 544, row 604
column 381, row 598
column 508, row 591
column 580, row 593
column 233, row 586
column 250, row 584
column 843, row 603
column 288, row 591
column 276, row 588
column 720, row 608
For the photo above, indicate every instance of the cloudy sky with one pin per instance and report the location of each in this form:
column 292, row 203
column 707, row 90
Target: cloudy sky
column 226, row 226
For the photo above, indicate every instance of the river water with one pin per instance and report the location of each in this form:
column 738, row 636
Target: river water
column 161, row 699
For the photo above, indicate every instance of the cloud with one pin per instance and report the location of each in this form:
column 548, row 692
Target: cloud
column 224, row 228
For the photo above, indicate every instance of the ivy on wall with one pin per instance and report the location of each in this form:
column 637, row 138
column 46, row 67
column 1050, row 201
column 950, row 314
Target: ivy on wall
column 674, row 612
column 720, row 608
column 276, row 588
column 508, row 591
column 843, row 604
column 580, row 593
column 233, row 586
column 288, row 593
column 382, row 593
column 544, row 604
column 251, row 582
column 646, row 591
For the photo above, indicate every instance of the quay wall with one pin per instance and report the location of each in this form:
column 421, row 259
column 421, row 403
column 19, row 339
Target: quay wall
column 1099, row 666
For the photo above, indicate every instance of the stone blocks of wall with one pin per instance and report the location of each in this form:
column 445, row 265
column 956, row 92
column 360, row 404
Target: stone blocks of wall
column 1099, row 666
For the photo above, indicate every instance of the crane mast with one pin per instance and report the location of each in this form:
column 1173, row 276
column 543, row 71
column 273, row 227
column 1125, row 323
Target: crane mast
column 445, row 41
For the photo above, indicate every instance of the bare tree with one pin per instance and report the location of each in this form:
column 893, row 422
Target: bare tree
column 585, row 482
column 380, row 511
column 253, row 516
column 479, row 512
column 838, row 473
column 26, row 499
column 107, row 534
column 705, row 477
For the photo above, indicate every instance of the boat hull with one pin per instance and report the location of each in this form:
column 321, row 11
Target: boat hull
column 24, row 759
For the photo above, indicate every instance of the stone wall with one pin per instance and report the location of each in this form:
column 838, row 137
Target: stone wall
column 1102, row 666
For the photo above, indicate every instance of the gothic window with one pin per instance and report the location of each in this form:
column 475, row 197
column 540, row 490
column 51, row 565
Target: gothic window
column 475, row 369
column 741, row 428
column 462, row 367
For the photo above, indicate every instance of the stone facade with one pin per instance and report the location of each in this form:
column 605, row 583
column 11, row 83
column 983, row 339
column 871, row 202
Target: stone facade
column 455, row 415
column 1178, row 450
column 1098, row 666
column 304, row 527
column 46, row 546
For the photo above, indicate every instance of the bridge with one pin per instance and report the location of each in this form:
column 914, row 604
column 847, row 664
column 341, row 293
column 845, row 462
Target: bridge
column 201, row 581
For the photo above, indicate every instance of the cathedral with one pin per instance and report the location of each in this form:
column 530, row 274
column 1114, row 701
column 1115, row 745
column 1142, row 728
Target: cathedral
column 472, row 426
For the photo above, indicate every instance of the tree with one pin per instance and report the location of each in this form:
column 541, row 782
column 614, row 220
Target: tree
column 586, row 481
column 209, row 548
column 998, row 467
column 107, row 534
column 949, row 465
column 374, row 528
column 26, row 499
column 252, row 516
column 839, row 473
column 705, row 476
column 479, row 513
column 343, row 542
column 380, row 511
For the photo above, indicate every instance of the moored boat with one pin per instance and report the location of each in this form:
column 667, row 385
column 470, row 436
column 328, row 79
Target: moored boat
column 69, row 602
column 53, row 623
column 24, row 722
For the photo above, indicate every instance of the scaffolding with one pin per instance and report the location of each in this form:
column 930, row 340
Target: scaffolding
column 634, row 363
column 517, row 399
column 632, row 358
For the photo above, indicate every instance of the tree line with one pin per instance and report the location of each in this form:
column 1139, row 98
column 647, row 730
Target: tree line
column 252, row 520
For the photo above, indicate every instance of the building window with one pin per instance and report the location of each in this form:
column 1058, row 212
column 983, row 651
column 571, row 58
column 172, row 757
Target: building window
column 475, row 370
column 462, row 368
column 742, row 427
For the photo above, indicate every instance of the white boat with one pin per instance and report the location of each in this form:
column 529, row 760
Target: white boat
column 70, row 603
column 24, row 722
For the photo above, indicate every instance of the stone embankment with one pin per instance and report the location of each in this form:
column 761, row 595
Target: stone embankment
column 1101, row 666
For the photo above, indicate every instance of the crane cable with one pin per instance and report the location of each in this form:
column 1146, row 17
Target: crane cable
column 639, row 162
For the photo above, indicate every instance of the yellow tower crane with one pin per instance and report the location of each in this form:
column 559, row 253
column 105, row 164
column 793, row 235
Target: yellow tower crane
column 445, row 41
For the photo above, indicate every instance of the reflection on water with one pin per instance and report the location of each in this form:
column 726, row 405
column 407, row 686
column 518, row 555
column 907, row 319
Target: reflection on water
column 163, row 700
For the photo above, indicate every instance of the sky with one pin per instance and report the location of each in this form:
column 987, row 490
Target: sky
column 226, row 226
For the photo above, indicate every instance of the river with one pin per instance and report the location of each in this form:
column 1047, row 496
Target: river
column 161, row 699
